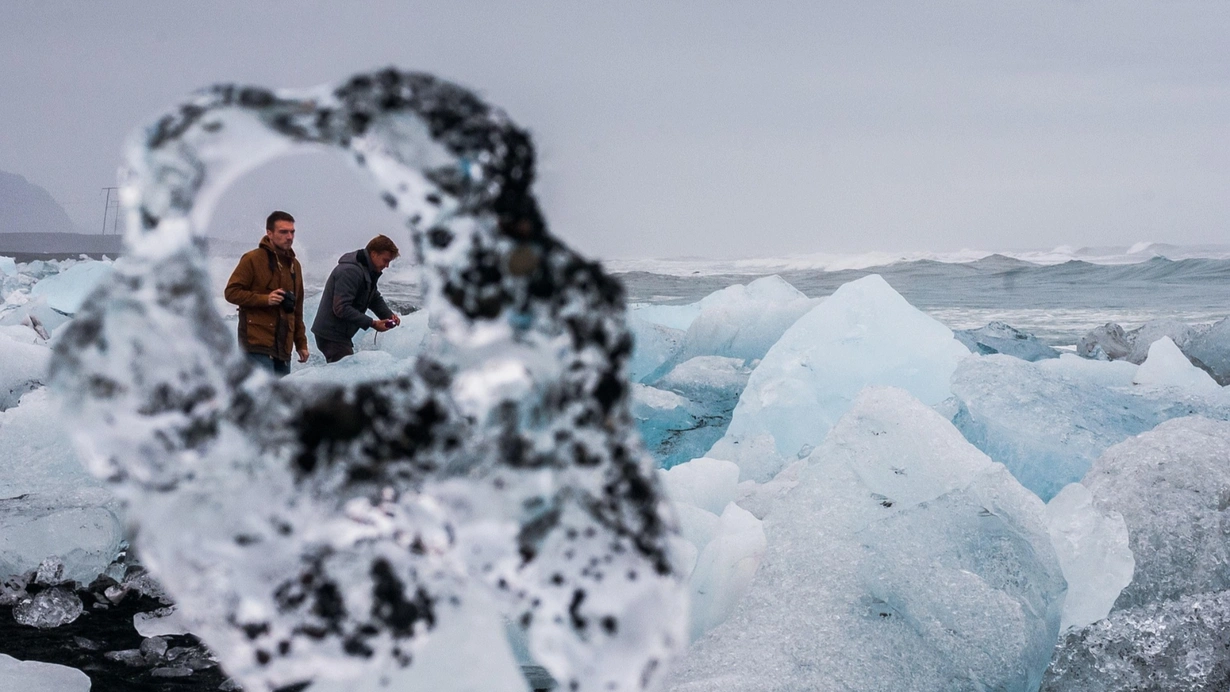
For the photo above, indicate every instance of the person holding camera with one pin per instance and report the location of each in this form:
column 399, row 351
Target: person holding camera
column 349, row 293
column 267, row 285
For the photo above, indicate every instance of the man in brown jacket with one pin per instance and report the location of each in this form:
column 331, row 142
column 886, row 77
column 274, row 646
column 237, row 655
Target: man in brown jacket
column 267, row 285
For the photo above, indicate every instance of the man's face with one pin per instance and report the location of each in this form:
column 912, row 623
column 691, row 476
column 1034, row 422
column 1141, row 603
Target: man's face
column 381, row 260
column 283, row 234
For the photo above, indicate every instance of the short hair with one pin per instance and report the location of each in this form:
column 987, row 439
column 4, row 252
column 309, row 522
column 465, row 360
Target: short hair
column 382, row 243
column 276, row 217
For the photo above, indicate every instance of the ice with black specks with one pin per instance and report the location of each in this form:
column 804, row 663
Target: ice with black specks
column 317, row 531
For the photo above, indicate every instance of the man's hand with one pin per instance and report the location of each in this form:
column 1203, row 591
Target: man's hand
column 396, row 320
column 380, row 325
column 303, row 355
column 275, row 298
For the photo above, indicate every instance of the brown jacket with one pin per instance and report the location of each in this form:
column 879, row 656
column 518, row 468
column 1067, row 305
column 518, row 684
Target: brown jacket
column 265, row 328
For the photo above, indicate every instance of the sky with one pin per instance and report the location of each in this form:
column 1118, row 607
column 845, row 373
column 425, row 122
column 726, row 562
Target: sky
column 670, row 128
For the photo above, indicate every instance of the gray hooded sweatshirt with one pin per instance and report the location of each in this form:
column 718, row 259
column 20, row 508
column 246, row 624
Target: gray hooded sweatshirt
column 349, row 293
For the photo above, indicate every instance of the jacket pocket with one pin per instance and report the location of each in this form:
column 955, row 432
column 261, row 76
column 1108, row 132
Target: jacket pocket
column 259, row 328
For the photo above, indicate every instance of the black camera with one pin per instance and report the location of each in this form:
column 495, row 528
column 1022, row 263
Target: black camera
column 288, row 301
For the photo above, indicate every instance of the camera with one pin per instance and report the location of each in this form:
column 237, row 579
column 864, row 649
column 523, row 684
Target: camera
column 288, row 301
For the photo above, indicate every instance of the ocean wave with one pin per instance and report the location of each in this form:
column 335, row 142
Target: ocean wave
column 832, row 262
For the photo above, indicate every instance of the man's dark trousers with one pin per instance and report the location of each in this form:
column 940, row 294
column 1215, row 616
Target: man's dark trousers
column 334, row 351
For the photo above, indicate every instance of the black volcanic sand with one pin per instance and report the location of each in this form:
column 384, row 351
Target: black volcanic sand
column 83, row 643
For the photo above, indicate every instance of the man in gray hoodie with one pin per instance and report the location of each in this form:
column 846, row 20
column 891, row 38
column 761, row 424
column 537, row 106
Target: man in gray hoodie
column 349, row 293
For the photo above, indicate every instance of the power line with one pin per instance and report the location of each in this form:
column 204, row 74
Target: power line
column 107, row 209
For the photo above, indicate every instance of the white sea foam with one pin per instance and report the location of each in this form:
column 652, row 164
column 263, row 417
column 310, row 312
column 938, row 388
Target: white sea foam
column 822, row 261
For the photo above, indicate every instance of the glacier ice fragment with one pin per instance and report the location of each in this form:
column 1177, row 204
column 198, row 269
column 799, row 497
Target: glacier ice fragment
column 902, row 559
column 23, row 368
column 744, row 321
column 709, row 484
column 998, row 337
column 48, row 608
column 67, row 290
column 653, row 346
column 36, row 676
column 1172, row 487
column 1172, row 646
column 1166, row 366
column 317, row 531
column 724, row 569
column 863, row 334
column 51, row 507
column 1092, row 545
column 1047, row 423
column 1212, row 349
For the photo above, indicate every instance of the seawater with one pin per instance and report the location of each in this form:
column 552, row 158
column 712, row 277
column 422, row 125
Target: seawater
column 1058, row 303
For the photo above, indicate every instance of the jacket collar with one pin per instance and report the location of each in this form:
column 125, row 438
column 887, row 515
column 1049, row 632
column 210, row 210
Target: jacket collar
column 267, row 245
column 366, row 261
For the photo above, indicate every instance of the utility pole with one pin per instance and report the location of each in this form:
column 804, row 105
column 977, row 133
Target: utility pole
column 107, row 209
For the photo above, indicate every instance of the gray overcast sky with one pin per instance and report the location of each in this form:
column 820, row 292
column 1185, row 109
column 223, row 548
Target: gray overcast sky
column 679, row 127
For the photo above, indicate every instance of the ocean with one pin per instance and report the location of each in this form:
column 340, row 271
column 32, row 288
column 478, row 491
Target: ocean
column 1057, row 295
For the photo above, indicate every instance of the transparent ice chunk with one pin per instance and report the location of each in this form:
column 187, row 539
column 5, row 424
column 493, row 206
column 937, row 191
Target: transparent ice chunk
column 321, row 531
column 1177, row 645
column 48, row 608
column 1172, row 487
column 1093, row 550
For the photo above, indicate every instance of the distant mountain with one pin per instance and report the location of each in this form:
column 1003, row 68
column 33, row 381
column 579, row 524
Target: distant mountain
column 28, row 208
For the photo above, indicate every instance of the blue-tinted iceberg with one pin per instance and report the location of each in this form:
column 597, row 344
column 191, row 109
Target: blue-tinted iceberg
column 744, row 321
column 714, row 382
column 1047, row 423
column 695, row 401
column 863, row 334
column 23, row 367
column 668, row 424
column 51, row 509
column 678, row 317
column 902, row 559
column 653, row 345
column 1212, row 349
column 67, row 290
column 998, row 337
